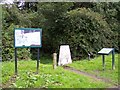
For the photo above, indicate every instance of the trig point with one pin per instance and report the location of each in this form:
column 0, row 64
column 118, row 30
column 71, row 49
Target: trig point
column 64, row 55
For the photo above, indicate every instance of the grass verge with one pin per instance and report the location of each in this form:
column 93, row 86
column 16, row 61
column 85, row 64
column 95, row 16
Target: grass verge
column 94, row 66
column 47, row 77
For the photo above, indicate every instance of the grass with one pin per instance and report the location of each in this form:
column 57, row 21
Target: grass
column 0, row 73
column 49, row 77
column 94, row 66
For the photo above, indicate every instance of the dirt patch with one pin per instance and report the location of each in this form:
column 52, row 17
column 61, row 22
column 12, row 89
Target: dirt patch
column 9, row 83
column 95, row 77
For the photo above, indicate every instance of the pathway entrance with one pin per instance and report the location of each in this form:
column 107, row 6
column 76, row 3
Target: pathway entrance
column 91, row 76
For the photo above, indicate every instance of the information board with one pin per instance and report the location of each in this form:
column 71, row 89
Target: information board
column 105, row 51
column 27, row 37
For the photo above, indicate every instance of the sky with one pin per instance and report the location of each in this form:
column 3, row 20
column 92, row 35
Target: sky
column 7, row 1
column 11, row 1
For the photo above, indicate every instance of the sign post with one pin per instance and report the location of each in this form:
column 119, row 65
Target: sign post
column 38, row 58
column 103, row 58
column 27, row 38
column 107, row 51
column 113, row 59
column 16, row 61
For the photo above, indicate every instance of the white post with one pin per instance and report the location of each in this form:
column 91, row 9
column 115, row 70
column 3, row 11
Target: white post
column 54, row 60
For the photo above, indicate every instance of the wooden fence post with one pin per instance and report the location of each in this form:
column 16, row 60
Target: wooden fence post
column 54, row 60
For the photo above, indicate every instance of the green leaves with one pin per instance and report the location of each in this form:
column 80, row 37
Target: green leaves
column 85, row 26
column 88, row 31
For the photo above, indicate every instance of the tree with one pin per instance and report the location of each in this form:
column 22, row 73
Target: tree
column 86, row 27
column 54, row 24
column 87, row 31
column 111, row 13
column 10, row 21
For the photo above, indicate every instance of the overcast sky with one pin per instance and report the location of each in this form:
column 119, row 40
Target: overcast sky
column 7, row 1
column 11, row 1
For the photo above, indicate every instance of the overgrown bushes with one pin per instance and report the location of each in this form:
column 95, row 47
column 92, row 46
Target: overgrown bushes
column 8, row 46
column 86, row 29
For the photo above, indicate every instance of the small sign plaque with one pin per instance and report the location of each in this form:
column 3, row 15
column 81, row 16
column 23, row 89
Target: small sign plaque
column 105, row 51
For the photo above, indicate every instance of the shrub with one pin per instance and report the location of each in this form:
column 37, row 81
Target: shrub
column 87, row 31
column 8, row 45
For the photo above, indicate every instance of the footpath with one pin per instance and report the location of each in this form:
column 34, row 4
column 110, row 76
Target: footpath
column 116, row 86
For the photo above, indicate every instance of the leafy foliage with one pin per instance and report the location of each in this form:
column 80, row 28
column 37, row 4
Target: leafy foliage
column 111, row 13
column 0, row 28
column 54, row 20
column 86, row 27
column 87, row 31
column 10, row 21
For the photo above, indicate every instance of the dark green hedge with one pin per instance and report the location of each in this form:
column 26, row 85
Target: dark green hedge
column 86, row 32
column 86, row 29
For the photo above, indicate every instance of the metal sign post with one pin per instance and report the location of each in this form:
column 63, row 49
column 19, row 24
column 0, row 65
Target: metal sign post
column 16, row 61
column 113, row 59
column 38, row 58
column 22, row 39
column 103, row 58
column 107, row 51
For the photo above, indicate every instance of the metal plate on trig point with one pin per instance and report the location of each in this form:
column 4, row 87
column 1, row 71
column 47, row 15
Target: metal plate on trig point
column 106, row 51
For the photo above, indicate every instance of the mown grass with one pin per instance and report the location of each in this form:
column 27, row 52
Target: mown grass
column 47, row 77
column 94, row 66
